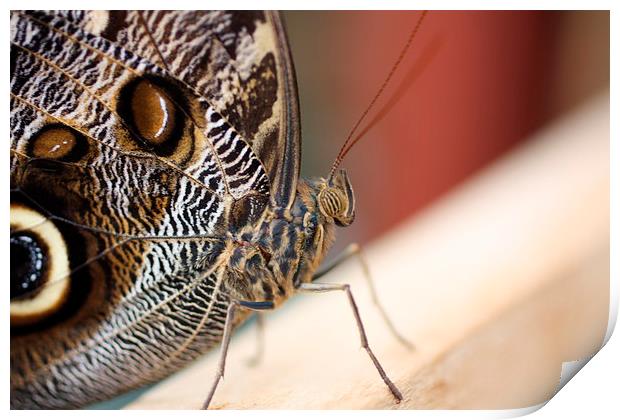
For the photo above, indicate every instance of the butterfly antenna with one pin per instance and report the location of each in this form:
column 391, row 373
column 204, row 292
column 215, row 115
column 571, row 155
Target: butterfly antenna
column 348, row 144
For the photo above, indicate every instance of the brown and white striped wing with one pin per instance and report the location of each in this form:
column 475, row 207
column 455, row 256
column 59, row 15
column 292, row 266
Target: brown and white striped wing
column 241, row 62
column 139, row 140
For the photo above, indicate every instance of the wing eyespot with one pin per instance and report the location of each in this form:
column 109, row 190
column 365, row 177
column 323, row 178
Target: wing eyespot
column 58, row 142
column 29, row 262
column 152, row 108
column 153, row 112
column 39, row 267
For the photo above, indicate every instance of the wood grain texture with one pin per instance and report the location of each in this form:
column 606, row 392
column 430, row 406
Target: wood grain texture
column 497, row 285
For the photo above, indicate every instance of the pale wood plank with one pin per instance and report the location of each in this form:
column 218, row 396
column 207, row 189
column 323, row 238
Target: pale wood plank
column 497, row 284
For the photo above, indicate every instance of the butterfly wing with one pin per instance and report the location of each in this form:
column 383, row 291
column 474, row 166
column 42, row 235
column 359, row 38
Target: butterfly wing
column 242, row 63
column 139, row 141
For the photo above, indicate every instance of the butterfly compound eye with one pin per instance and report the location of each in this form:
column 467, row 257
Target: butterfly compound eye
column 39, row 267
column 332, row 202
column 338, row 199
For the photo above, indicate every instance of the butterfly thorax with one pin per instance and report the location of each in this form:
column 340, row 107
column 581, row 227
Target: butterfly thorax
column 269, row 263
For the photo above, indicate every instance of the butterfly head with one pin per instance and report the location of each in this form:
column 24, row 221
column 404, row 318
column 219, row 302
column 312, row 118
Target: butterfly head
column 336, row 199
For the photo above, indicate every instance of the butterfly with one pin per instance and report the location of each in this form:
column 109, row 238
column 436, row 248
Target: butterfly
column 156, row 201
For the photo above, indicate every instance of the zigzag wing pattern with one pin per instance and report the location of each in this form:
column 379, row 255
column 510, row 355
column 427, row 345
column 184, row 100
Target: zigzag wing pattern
column 144, row 222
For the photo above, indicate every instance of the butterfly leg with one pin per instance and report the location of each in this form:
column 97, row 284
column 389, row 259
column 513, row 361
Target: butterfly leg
column 355, row 250
column 260, row 341
column 230, row 318
column 323, row 287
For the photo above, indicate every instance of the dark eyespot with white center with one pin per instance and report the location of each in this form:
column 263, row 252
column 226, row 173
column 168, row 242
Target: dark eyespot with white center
column 28, row 263
column 39, row 267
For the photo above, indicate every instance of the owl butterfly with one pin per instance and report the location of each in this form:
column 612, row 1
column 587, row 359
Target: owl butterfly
column 156, row 200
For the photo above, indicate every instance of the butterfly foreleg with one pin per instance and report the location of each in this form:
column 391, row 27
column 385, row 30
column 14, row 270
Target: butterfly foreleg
column 323, row 287
column 354, row 250
column 228, row 325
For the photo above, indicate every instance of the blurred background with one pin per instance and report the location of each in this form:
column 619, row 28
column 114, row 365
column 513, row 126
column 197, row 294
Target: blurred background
column 473, row 85
column 494, row 304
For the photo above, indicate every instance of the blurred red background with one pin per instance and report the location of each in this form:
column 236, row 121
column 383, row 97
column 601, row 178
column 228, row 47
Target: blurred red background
column 473, row 85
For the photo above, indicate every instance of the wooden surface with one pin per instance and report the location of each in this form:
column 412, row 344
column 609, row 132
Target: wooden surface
column 497, row 285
